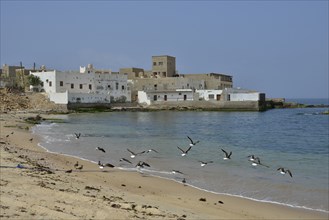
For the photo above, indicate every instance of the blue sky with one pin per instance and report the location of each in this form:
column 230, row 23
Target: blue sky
column 276, row 47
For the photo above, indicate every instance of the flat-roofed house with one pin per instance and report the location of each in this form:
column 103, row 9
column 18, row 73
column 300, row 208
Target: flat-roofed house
column 86, row 86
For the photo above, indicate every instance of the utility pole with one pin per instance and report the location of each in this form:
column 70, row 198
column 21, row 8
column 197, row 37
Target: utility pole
column 22, row 75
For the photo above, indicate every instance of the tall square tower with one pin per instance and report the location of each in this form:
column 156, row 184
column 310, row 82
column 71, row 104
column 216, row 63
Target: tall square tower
column 163, row 66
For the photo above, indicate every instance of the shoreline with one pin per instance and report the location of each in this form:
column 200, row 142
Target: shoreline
column 196, row 187
column 114, row 193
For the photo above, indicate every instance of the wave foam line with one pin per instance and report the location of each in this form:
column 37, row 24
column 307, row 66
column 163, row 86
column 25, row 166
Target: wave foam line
column 205, row 190
column 244, row 197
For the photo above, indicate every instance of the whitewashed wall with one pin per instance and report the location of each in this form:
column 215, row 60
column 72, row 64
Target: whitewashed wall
column 104, row 86
column 114, row 85
column 87, row 98
column 49, row 80
column 59, row 98
column 178, row 95
column 244, row 96
column 143, row 98
column 204, row 94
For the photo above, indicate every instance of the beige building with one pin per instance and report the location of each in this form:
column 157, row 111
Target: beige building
column 10, row 71
column 163, row 84
column 164, row 77
column 133, row 72
column 163, row 66
column 213, row 80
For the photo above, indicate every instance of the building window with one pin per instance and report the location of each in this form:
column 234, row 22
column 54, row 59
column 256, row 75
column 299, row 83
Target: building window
column 72, row 86
column 155, row 86
column 228, row 97
column 123, row 87
column 80, row 86
column 154, row 63
column 116, row 86
column 90, row 87
column 109, row 86
column 211, row 96
column 160, row 63
column 61, row 83
column 165, row 97
column 50, row 83
column 155, row 97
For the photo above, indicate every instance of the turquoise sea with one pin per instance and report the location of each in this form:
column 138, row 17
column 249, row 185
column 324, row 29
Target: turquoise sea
column 297, row 139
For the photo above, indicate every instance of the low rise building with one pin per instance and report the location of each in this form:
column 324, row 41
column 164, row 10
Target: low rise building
column 209, row 95
column 86, row 86
column 163, row 96
column 238, row 94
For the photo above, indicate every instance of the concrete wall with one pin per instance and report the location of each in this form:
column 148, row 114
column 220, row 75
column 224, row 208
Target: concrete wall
column 209, row 105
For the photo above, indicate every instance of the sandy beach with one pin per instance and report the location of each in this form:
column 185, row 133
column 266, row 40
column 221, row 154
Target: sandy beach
column 35, row 184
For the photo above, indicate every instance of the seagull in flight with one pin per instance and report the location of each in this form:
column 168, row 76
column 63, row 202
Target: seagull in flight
column 104, row 165
column 227, row 155
column 256, row 161
column 150, row 150
column 77, row 136
column 183, row 151
column 192, row 142
column 141, row 164
column 252, row 157
column 124, row 159
column 133, row 155
column 100, row 149
column 176, row 171
column 205, row 163
column 283, row 171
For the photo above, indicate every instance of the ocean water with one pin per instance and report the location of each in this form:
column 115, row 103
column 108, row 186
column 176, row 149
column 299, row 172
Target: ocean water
column 306, row 101
column 297, row 139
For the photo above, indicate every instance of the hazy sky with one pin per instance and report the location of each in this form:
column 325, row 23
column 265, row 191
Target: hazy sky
column 276, row 47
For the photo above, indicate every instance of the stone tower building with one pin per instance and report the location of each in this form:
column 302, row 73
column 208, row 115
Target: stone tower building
column 163, row 66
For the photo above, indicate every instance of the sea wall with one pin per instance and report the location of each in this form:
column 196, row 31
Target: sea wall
column 210, row 105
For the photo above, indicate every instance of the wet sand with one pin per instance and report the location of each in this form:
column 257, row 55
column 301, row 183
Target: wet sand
column 42, row 189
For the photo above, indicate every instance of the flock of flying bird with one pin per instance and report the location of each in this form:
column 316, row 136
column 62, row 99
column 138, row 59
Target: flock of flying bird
column 255, row 161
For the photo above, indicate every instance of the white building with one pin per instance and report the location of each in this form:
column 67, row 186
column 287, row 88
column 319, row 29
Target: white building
column 86, row 86
column 156, row 96
column 237, row 94
column 209, row 95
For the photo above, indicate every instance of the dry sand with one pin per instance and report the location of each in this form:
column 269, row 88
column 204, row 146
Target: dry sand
column 43, row 190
